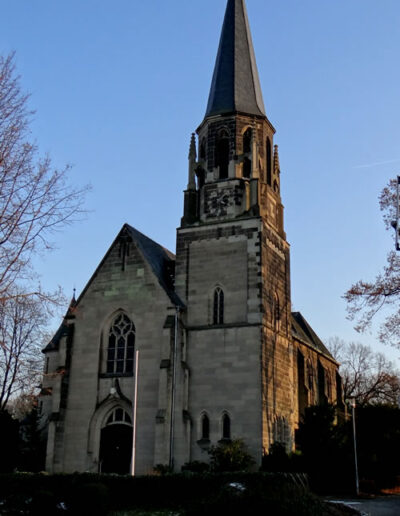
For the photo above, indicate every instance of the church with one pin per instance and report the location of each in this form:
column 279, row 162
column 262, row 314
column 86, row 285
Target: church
column 164, row 355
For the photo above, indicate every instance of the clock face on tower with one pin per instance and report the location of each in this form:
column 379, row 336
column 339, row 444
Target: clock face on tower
column 217, row 202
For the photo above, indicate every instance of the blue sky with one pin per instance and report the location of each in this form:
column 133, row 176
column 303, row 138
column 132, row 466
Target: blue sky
column 118, row 86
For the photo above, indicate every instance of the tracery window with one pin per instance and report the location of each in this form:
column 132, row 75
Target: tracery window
column 281, row 431
column 218, row 313
column 121, row 345
column 119, row 416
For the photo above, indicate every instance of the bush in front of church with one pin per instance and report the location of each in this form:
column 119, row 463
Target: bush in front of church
column 230, row 456
column 9, row 437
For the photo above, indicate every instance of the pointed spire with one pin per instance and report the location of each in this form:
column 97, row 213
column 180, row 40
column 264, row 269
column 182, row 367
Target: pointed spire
column 192, row 149
column 192, row 163
column 277, row 168
column 235, row 86
column 71, row 309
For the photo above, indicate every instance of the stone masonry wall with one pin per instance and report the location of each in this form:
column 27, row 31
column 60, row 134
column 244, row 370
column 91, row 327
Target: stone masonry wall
column 135, row 291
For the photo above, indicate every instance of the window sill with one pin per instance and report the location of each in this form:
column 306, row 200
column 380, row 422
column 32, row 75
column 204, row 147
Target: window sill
column 116, row 375
column 204, row 444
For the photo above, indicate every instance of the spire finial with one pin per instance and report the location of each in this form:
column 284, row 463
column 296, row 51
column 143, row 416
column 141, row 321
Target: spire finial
column 192, row 163
column 192, row 149
column 277, row 168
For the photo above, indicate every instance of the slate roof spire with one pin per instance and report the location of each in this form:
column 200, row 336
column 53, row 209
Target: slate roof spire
column 235, row 85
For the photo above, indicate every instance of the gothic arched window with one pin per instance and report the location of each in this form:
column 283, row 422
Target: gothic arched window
column 269, row 161
column 310, row 376
column 203, row 149
column 218, row 312
column 121, row 345
column 328, row 386
column 226, row 427
column 281, row 431
column 205, row 427
column 118, row 417
column 277, row 308
column 247, row 141
column 222, row 154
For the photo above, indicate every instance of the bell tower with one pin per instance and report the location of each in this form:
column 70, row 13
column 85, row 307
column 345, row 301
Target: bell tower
column 233, row 262
column 236, row 169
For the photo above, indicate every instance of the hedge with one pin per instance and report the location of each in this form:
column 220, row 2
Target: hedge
column 190, row 493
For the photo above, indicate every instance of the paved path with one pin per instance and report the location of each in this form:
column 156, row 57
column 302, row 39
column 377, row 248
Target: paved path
column 382, row 506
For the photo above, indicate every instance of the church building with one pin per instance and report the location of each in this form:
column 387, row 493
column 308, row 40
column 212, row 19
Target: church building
column 163, row 356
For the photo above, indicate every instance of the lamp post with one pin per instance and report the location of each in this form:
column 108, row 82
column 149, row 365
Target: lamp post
column 353, row 407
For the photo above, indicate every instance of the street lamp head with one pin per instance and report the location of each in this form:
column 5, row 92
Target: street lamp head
column 352, row 402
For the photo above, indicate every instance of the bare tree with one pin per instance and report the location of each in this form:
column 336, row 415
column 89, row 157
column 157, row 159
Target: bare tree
column 23, row 321
column 35, row 200
column 366, row 298
column 368, row 376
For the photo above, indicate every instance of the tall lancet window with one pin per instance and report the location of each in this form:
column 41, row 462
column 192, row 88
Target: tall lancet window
column 121, row 345
column 269, row 161
column 247, row 137
column 226, row 427
column 218, row 314
column 222, row 154
column 247, row 141
column 203, row 149
column 205, row 427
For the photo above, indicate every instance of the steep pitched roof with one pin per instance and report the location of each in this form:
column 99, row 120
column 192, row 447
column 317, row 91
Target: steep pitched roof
column 303, row 331
column 161, row 261
column 235, row 85
column 53, row 345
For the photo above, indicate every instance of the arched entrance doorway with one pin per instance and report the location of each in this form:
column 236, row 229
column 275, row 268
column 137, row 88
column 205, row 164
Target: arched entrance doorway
column 116, row 443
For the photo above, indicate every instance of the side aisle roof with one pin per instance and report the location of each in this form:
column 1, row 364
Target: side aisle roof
column 303, row 332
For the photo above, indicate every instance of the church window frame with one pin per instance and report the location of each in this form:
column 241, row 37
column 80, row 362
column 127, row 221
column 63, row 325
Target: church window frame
column 205, row 427
column 222, row 153
column 247, row 140
column 328, row 381
column 121, row 341
column 118, row 416
column 310, row 376
column 276, row 311
column 218, row 305
column 281, row 431
column 226, row 427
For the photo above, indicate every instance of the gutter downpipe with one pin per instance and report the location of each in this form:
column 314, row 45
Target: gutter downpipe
column 133, row 472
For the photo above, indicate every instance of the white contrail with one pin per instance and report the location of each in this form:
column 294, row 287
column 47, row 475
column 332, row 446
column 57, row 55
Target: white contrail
column 370, row 165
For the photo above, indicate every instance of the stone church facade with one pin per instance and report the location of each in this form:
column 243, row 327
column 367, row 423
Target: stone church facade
column 164, row 355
